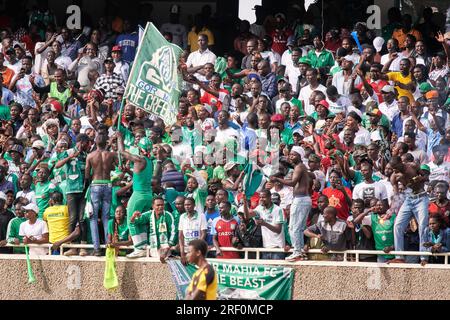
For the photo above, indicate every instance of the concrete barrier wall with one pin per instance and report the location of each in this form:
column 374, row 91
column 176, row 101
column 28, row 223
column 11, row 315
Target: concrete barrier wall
column 76, row 278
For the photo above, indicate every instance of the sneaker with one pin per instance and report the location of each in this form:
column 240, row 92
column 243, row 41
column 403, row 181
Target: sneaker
column 295, row 256
column 71, row 252
column 137, row 253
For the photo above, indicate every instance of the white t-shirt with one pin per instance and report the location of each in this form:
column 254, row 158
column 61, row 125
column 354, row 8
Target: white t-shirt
column 286, row 196
column 340, row 106
column 439, row 172
column 30, row 196
column 389, row 189
column 361, row 137
column 35, row 230
column 366, row 191
column 304, row 95
column 395, row 65
column 389, row 110
column 292, row 73
column 343, row 87
column 273, row 216
column 222, row 136
column 198, row 58
column 181, row 152
column 192, row 227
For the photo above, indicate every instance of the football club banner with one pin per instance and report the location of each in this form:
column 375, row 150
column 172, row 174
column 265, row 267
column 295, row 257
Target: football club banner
column 155, row 83
column 242, row 281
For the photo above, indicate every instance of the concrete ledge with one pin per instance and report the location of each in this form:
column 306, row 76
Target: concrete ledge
column 59, row 278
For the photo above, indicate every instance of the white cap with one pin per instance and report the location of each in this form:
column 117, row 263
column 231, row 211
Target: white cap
column 349, row 58
column 299, row 150
column 39, row 144
column 378, row 43
column 32, row 207
column 388, row 88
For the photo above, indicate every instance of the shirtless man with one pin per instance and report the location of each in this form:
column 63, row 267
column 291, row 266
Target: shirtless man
column 141, row 199
column 415, row 204
column 101, row 162
column 301, row 181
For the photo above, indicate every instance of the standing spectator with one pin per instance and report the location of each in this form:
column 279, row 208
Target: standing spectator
column 197, row 59
column 177, row 30
column 268, row 79
column 339, row 197
column 223, row 231
column 12, row 233
column 6, row 73
column 70, row 46
column 369, row 189
column 252, row 46
column 86, row 62
column 109, row 81
column 281, row 34
column 257, row 28
column 22, row 86
column 271, row 218
column 199, row 28
column 5, row 217
column 128, row 41
column 320, row 57
column 192, row 226
column 34, row 230
column 57, row 218
column 121, row 67
column 306, row 92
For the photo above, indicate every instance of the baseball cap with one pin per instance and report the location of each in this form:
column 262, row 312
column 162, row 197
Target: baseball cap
column 253, row 76
column 18, row 45
column 348, row 58
column 38, row 144
column 282, row 79
column 388, row 89
column 378, row 43
column 109, row 59
column 116, row 48
column 291, row 41
column 324, row 103
column 30, row 207
column 424, row 87
column 425, row 167
column 229, row 166
column 17, row 148
column 277, row 118
column 375, row 112
column 120, row 90
column 55, row 106
column 432, row 94
column 305, row 60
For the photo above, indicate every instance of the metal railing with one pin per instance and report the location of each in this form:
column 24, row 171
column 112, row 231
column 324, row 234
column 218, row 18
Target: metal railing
column 258, row 251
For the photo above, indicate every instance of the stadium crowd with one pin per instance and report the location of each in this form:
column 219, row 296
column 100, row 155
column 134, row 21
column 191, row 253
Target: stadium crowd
column 288, row 141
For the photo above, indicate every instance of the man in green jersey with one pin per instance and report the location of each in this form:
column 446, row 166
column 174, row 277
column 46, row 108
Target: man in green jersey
column 73, row 163
column 141, row 197
column 43, row 189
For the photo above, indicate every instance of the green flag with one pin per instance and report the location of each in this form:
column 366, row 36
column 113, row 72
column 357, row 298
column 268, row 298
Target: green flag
column 110, row 280
column 253, row 180
column 31, row 278
column 155, row 83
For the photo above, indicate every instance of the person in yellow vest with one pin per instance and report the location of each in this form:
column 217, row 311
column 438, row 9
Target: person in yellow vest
column 57, row 218
column 203, row 285
column 58, row 89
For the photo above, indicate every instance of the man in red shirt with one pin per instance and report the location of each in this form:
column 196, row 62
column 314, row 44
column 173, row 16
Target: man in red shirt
column 223, row 231
column 339, row 196
column 213, row 94
column 440, row 206
column 280, row 35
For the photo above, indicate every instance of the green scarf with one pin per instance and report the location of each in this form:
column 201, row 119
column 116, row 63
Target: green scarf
column 158, row 234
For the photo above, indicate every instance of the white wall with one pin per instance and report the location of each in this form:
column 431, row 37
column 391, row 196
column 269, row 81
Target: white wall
column 245, row 10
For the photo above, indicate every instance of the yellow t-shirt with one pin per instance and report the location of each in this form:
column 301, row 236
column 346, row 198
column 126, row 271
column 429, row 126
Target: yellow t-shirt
column 58, row 221
column 397, row 76
column 205, row 279
column 193, row 38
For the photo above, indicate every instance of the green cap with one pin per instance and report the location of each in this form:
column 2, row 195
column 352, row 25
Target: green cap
column 145, row 144
column 425, row 167
column 305, row 60
column 424, row 87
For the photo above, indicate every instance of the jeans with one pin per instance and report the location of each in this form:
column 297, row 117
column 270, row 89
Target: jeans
column 417, row 208
column 76, row 203
column 101, row 196
column 272, row 255
column 382, row 259
column 300, row 208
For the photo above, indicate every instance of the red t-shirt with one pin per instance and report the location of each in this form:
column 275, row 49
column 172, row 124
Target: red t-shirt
column 337, row 199
column 225, row 232
column 280, row 39
column 434, row 209
column 377, row 86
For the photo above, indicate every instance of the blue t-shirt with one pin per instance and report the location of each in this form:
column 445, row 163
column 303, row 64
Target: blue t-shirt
column 210, row 217
column 129, row 43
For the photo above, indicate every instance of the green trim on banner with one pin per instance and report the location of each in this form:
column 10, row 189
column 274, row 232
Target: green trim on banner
column 241, row 281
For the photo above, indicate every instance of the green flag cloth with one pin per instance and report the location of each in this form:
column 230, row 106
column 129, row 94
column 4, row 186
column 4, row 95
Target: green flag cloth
column 221, row 65
column 154, row 84
column 253, row 180
column 31, row 277
column 110, row 280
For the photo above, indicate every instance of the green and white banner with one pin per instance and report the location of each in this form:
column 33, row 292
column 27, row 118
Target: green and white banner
column 155, row 83
column 242, row 281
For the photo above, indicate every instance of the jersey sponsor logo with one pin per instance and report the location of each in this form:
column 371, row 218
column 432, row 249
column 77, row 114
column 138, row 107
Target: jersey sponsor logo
column 192, row 234
column 225, row 234
column 368, row 193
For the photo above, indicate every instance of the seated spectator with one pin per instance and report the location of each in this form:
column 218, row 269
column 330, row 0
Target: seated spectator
column 435, row 239
column 441, row 205
column 333, row 233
